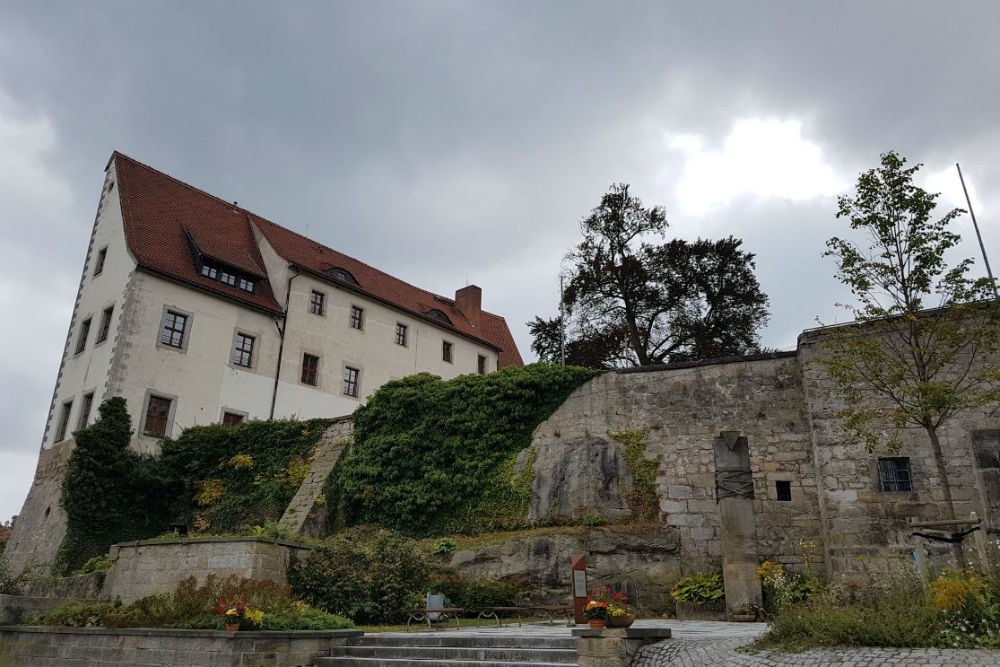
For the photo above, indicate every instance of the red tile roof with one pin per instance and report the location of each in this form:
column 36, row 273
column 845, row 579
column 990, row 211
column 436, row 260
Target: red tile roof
column 161, row 213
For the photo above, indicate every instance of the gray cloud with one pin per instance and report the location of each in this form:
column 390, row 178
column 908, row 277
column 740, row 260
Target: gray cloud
column 445, row 140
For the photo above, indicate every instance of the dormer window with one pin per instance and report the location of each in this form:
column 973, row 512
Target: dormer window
column 343, row 274
column 227, row 276
column 438, row 315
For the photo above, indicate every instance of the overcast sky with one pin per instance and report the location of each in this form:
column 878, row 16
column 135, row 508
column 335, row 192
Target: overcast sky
column 447, row 142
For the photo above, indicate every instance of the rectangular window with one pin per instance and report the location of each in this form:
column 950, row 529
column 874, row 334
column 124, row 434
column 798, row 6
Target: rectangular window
column 894, row 474
column 401, row 334
column 446, row 351
column 351, row 381
column 246, row 284
column 357, row 317
column 102, row 333
column 209, row 272
column 174, row 326
column 227, row 278
column 481, row 365
column 99, row 262
column 81, row 341
column 243, row 350
column 316, row 300
column 63, row 421
column 783, row 490
column 157, row 415
column 85, row 406
column 231, row 419
column 310, row 369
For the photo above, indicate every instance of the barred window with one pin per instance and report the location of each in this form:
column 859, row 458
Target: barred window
column 174, row 325
column 894, row 474
column 783, row 490
column 243, row 350
column 351, row 381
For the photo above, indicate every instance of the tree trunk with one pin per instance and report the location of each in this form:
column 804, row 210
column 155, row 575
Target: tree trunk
column 942, row 473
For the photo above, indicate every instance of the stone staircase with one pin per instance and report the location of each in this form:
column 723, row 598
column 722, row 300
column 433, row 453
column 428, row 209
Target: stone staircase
column 424, row 650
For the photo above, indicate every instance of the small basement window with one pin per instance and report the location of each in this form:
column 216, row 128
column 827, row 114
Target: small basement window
column 783, row 490
column 894, row 474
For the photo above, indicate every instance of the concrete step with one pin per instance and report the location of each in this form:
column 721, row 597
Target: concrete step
column 468, row 653
column 348, row 661
column 475, row 641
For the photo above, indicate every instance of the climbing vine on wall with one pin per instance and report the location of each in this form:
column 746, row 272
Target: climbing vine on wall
column 641, row 498
column 436, row 457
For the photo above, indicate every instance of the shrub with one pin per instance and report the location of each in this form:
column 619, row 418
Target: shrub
column 705, row 588
column 11, row 582
column 110, row 493
column 782, row 588
column 435, row 457
column 95, row 564
column 473, row 593
column 594, row 521
column 193, row 606
column 445, row 546
column 366, row 581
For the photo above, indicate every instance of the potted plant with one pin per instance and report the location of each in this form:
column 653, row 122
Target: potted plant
column 596, row 613
column 747, row 613
column 700, row 597
column 237, row 615
column 620, row 614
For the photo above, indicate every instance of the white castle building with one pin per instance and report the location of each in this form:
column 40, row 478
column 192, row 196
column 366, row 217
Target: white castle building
column 197, row 311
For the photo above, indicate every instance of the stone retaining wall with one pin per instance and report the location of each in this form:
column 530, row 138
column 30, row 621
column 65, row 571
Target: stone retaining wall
column 157, row 566
column 20, row 608
column 151, row 647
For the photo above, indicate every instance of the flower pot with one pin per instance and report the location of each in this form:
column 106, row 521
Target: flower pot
column 232, row 627
column 744, row 618
column 597, row 624
column 621, row 621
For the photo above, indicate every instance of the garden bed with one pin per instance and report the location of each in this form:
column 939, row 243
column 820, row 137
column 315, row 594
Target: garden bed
column 46, row 646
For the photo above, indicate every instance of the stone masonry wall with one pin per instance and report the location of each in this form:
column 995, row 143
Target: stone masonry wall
column 683, row 409
column 41, row 525
column 147, row 568
column 146, row 647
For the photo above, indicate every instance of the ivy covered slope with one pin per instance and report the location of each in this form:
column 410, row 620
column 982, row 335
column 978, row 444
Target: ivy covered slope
column 216, row 479
column 236, row 477
column 435, row 457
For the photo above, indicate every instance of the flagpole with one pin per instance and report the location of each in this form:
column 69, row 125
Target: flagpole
column 986, row 261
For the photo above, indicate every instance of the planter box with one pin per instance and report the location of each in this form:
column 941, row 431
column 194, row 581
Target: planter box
column 689, row 611
column 152, row 647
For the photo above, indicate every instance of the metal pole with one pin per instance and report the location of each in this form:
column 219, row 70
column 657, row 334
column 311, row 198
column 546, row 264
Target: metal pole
column 986, row 261
column 562, row 325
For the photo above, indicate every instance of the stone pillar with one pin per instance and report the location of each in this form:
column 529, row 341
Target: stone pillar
column 734, row 492
column 614, row 647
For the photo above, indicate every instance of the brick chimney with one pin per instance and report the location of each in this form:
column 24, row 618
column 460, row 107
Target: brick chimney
column 470, row 301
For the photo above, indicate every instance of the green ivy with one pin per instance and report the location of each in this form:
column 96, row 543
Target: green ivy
column 238, row 477
column 433, row 457
column 642, row 497
column 110, row 493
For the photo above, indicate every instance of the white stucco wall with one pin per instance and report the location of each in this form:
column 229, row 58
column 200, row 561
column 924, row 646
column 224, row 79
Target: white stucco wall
column 88, row 371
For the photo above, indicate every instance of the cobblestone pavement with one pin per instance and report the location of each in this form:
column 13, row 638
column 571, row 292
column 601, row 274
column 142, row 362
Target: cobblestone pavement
column 707, row 651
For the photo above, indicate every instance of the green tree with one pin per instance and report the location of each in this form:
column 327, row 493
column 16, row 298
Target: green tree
column 631, row 301
column 926, row 332
column 110, row 493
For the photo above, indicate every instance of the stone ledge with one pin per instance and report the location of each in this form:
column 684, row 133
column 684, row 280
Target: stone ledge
column 623, row 633
column 198, row 540
column 185, row 632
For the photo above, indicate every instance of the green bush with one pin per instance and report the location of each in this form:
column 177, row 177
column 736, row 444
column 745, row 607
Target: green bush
column 705, row 588
column 95, row 564
column 594, row 521
column 238, row 477
column 445, row 546
column 473, row 593
column 368, row 580
column 11, row 582
column 110, row 493
column 435, row 457
column 193, row 606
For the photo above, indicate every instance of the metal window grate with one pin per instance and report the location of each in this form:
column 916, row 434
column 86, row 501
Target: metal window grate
column 783, row 490
column 894, row 474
